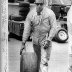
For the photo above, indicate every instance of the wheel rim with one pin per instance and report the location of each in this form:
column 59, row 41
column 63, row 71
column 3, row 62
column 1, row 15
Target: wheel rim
column 62, row 35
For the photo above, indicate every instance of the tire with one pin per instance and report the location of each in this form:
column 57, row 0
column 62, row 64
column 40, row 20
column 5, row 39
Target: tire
column 17, row 18
column 28, row 62
column 24, row 14
column 31, row 1
column 24, row 4
column 61, row 36
column 11, row 1
column 24, row 9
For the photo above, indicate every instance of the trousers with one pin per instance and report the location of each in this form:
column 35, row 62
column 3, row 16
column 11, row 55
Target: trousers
column 43, row 56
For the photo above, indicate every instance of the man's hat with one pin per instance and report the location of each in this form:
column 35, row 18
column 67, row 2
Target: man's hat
column 39, row 1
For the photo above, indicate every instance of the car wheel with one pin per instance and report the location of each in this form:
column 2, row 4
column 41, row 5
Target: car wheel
column 28, row 62
column 17, row 18
column 62, row 35
column 24, row 14
column 24, row 9
column 31, row 1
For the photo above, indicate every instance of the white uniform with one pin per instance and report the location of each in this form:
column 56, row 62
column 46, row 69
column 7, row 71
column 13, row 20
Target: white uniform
column 43, row 25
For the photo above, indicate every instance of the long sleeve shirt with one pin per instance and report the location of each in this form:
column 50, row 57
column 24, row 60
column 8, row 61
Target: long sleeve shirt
column 42, row 24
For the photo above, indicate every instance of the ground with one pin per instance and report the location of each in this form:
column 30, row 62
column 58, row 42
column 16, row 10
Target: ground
column 58, row 61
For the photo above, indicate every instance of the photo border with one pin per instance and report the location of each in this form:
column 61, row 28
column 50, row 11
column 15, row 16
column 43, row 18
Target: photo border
column 4, row 35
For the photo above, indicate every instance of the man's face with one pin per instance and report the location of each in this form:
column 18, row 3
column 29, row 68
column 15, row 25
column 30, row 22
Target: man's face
column 39, row 7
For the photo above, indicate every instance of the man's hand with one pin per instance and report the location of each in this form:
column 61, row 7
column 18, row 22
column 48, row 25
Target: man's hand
column 47, row 44
column 22, row 47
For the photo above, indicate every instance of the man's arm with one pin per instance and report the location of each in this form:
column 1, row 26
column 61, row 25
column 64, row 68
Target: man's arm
column 27, row 28
column 53, row 28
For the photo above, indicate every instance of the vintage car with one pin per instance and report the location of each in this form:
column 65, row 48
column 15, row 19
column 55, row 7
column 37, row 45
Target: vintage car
column 60, row 11
column 62, row 32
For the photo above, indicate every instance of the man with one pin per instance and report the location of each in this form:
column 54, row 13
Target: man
column 42, row 22
column 69, row 23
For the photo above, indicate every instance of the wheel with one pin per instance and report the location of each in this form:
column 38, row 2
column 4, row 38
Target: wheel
column 61, row 35
column 31, row 1
column 11, row 1
column 24, row 9
column 24, row 14
column 24, row 4
column 17, row 18
column 28, row 62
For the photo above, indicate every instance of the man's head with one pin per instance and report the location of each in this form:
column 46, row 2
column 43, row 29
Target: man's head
column 39, row 5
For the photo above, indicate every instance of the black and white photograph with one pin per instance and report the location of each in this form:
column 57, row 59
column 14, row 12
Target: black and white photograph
column 36, row 36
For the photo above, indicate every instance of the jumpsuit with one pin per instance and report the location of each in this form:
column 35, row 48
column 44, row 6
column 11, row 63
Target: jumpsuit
column 41, row 27
column 69, row 23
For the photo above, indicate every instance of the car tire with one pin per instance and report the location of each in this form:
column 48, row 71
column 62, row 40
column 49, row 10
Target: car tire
column 31, row 1
column 61, row 36
column 26, row 4
column 17, row 18
column 24, row 9
column 28, row 62
column 24, row 14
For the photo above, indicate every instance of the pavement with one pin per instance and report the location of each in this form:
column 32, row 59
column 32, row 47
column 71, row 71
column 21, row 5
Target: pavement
column 58, row 60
